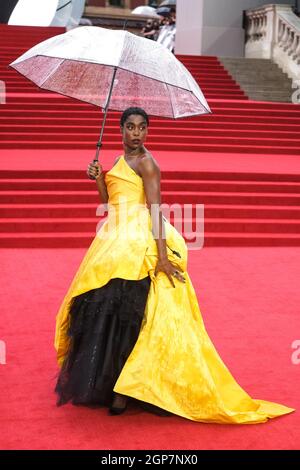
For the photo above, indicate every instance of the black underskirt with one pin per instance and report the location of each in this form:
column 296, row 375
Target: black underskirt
column 104, row 327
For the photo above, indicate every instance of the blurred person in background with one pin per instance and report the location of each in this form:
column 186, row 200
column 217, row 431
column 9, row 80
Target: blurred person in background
column 151, row 30
column 167, row 32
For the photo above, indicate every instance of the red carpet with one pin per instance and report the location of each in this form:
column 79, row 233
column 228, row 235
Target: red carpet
column 242, row 163
column 249, row 299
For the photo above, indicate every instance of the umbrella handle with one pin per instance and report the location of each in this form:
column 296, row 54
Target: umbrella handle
column 99, row 145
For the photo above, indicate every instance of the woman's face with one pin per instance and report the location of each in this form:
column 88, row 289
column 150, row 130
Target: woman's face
column 134, row 131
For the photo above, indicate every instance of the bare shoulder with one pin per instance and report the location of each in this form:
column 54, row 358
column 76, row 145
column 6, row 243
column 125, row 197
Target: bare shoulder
column 116, row 160
column 148, row 165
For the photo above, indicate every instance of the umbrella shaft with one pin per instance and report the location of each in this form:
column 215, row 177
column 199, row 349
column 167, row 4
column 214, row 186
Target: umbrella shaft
column 99, row 143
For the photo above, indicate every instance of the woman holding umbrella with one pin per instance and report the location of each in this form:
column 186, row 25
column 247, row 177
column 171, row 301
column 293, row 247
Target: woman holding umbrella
column 130, row 323
column 131, row 315
column 134, row 126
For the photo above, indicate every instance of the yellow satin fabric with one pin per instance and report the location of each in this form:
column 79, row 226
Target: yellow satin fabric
column 174, row 364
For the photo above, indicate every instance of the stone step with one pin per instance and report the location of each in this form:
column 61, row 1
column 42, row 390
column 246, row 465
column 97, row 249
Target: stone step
column 265, row 74
column 260, row 79
column 270, row 88
column 247, row 64
column 283, row 87
column 248, row 79
column 274, row 96
column 240, row 60
column 268, row 93
column 269, row 71
column 276, row 73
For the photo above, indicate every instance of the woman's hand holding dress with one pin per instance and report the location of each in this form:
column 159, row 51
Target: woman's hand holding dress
column 169, row 269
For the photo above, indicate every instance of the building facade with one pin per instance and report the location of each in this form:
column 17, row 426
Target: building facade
column 112, row 5
column 113, row 13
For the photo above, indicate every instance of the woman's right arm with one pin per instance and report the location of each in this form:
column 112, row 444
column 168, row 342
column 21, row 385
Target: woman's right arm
column 96, row 170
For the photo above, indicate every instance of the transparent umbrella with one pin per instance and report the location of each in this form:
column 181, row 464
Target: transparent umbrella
column 113, row 69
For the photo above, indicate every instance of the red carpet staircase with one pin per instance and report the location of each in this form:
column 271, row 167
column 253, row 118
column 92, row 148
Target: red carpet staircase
column 57, row 208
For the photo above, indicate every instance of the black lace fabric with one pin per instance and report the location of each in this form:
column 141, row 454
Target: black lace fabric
column 104, row 327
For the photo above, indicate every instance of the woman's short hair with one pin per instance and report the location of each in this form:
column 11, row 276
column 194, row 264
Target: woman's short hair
column 133, row 110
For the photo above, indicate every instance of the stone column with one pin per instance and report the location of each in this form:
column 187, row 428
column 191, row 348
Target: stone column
column 189, row 22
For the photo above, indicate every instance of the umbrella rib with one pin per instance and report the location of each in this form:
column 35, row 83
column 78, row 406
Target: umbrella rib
column 208, row 110
column 53, row 71
column 171, row 101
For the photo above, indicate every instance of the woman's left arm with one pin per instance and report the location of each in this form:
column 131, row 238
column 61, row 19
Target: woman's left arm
column 151, row 178
column 150, row 172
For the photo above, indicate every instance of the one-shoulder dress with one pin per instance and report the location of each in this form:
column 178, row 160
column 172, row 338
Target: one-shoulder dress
column 121, row 328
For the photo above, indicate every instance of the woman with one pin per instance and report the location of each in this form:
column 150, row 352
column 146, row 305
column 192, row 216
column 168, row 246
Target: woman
column 130, row 324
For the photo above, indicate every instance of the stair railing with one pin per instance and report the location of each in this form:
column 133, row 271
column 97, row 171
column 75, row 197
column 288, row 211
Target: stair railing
column 273, row 32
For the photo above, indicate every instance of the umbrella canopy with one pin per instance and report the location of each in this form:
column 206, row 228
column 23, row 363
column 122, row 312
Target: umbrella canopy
column 146, row 11
column 168, row 3
column 84, row 62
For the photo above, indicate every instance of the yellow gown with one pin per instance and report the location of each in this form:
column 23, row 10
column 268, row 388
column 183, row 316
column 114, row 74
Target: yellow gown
column 174, row 364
